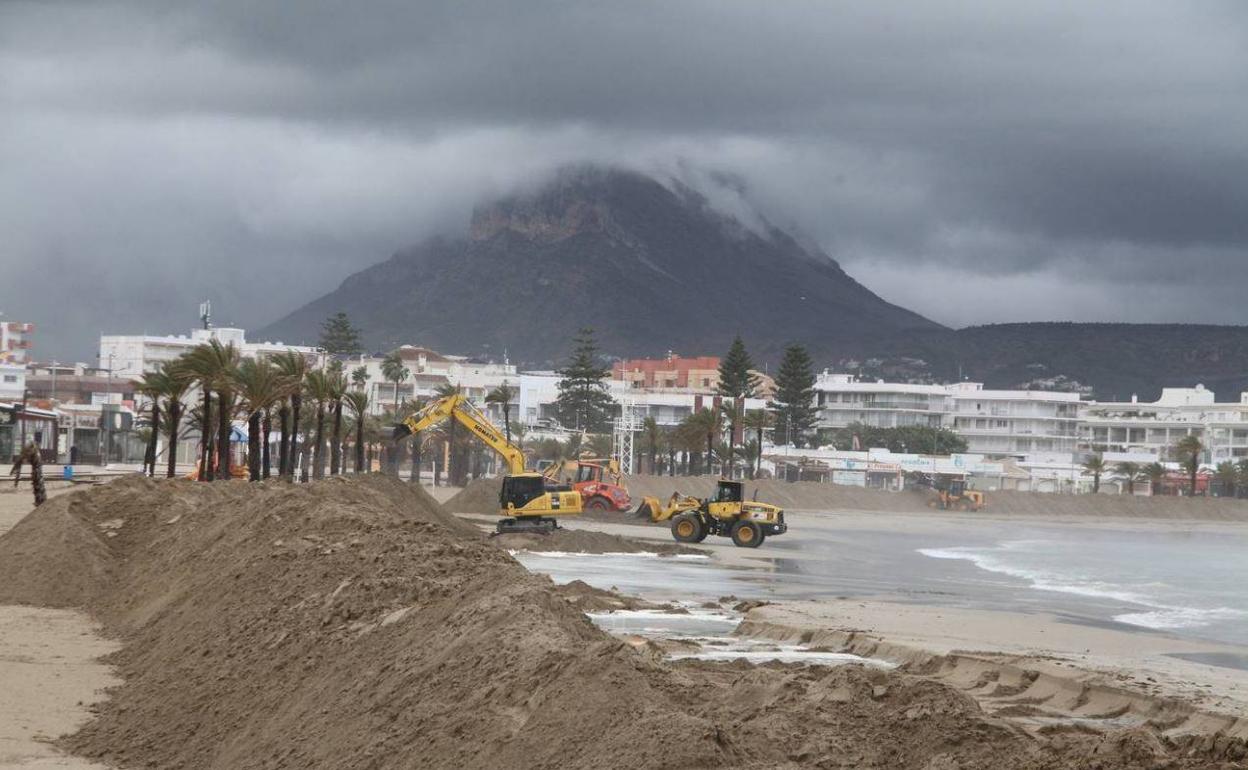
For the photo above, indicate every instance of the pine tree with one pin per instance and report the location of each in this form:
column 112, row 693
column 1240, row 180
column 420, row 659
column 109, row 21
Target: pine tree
column 584, row 403
column 735, row 378
column 736, row 382
column 795, row 391
column 339, row 337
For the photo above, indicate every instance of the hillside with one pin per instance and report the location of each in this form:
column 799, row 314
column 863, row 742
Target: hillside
column 654, row 268
column 650, row 267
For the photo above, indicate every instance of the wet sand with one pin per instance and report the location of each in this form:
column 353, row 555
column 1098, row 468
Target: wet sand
column 50, row 669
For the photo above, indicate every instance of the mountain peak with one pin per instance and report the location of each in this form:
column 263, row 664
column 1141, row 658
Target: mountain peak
column 652, row 266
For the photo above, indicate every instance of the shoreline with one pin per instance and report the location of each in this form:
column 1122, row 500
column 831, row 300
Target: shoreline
column 1086, row 667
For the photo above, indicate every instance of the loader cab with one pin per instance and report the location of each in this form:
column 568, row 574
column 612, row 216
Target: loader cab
column 519, row 491
column 730, row 492
column 587, row 472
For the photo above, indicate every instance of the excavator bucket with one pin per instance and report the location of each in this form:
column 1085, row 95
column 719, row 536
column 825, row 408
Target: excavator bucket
column 401, row 431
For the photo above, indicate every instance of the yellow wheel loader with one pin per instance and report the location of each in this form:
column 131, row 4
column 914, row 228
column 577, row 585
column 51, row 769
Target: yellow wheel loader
column 727, row 514
column 528, row 501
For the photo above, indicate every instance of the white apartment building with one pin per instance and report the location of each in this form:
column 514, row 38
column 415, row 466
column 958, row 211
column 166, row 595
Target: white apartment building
column 429, row 370
column 15, row 341
column 132, row 356
column 1153, row 428
column 12, row 381
column 842, row 400
column 539, row 390
column 1014, row 423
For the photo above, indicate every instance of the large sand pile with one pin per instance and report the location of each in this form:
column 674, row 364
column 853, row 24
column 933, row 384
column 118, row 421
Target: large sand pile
column 479, row 496
column 355, row 624
column 809, row 495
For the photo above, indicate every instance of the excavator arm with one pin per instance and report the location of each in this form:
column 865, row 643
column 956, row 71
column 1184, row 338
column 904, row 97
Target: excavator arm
column 458, row 406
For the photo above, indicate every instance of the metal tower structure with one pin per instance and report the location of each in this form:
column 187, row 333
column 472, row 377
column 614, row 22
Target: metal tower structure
column 625, row 427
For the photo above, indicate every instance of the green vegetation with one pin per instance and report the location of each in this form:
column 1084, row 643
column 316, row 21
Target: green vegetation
column 795, row 390
column 918, row 439
column 584, row 403
column 339, row 337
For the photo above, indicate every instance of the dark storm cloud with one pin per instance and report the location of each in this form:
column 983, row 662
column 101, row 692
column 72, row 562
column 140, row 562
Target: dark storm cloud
column 1071, row 160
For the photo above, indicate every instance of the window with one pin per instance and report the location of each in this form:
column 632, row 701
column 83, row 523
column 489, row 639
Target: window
column 10, row 378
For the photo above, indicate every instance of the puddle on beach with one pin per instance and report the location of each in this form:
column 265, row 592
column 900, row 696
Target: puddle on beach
column 706, row 635
column 648, row 574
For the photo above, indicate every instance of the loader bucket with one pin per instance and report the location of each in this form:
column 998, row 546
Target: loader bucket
column 648, row 509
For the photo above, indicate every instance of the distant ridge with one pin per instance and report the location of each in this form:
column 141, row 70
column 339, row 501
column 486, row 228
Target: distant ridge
column 653, row 267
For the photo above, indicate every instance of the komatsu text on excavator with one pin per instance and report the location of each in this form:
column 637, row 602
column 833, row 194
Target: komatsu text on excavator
column 527, row 502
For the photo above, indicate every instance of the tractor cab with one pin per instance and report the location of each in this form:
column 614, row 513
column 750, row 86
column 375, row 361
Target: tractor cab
column 729, row 491
column 520, row 490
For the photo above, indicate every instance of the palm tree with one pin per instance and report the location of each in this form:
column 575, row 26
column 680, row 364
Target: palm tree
column 1189, row 451
column 1227, row 474
column 728, row 410
column 502, row 396
column 1130, row 472
column 453, row 470
column 337, row 389
column 650, row 430
column 318, row 387
column 152, row 385
column 260, row 385
column 293, row 367
column 518, row 434
column 1156, row 473
column 359, row 377
column 1096, row 466
column 706, row 423
column 177, row 381
column 213, row 366
column 357, row 402
column 758, row 420
column 393, row 370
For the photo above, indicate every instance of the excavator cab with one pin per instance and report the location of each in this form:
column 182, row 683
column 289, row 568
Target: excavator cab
column 519, row 491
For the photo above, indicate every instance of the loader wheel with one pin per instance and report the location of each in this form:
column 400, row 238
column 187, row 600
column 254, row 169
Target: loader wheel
column 688, row 529
column 597, row 505
column 966, row 505
column 747, row 534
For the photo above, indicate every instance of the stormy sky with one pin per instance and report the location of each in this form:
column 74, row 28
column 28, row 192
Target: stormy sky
column 974, row 161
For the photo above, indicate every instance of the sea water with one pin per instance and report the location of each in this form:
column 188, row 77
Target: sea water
column 1186, row 580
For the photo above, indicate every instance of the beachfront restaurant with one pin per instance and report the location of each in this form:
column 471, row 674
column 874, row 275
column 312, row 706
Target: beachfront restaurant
column 20, row 422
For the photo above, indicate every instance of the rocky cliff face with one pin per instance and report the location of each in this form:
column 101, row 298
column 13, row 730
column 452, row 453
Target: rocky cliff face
column 652, row 267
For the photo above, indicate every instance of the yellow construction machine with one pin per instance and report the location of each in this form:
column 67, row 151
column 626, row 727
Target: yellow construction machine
column 950, row 493
column 598, row 479
column 528, row 502
column 727, row 514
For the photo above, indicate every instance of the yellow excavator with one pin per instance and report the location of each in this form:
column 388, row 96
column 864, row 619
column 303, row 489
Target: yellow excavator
column 728, row 514
column 527, row 501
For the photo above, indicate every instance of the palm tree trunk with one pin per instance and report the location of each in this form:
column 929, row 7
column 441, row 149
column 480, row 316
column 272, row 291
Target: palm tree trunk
column 223, row 435
column 149, row 457
column 283, row 447
column 318, row 449
column 253, row 446
column 335, row 443
column 359, row 444
column 507, row 421
column 758, row 461
column 414, row 477
column 175, row 416
column 304, row 463
column 264, row 449
column 296, row 403
column 452, row 462
column 206, row 433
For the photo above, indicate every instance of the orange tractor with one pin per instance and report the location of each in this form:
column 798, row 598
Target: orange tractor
column 598, row 480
